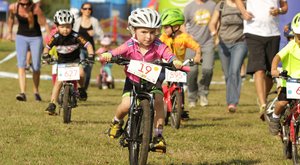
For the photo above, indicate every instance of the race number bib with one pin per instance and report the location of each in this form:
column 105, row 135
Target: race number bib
column 293, row 89
column 176, row 76
column 68, row 72
column 144, row 70
column 54, row 69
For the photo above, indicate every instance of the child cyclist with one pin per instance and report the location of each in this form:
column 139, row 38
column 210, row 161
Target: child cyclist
column 144, row 24
column 290, row 58
column 106, row 46
column 178, row 41
column 67, row 43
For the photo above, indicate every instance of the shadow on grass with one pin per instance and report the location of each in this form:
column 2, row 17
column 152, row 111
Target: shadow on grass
column 96, row 103
column 86, row 122
column 234, row 161
column 197, row 126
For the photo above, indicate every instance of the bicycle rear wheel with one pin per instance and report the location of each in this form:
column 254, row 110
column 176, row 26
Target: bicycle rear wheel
column 66, row 105
column 140, row 135
column 176, row 109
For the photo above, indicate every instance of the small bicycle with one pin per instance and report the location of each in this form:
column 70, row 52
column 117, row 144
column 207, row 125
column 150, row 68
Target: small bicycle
column 102, row 79
column 68, row 73
column 137, row 135
column 290, row 120
column 174, row 93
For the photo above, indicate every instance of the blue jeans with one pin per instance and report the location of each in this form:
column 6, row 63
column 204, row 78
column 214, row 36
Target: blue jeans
column 232, row 57
column 87, row 69
column 196, row 89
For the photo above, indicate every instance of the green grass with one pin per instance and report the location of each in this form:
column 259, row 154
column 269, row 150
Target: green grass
column 212, row 136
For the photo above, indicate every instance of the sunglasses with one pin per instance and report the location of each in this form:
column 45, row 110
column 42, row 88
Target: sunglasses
column 25, row 4
column 87, row 9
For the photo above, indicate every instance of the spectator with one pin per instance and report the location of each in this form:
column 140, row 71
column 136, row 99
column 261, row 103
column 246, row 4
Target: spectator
column 232, row 47
column 263, row 37
column 197, row 16
column 88, row 27
column 29, row 37
column 3, row 14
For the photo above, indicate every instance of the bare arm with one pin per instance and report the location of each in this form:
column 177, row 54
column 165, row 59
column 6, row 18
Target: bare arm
column 275, row 62
column 214, row 25
column 90, row 49
column 281, row 10
column 198, row 56
column 10, row 21
column 246, row 14
column 46, row 50
column 41, row 18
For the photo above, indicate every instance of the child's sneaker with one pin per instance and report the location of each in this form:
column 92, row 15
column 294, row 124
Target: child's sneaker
column 115, row 130
column 185, row 115
column 51, row 109
column 159, row 144
column 274, row 125
column 82, row 94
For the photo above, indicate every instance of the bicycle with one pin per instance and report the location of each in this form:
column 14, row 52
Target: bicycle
column 102, row 80
column 174, row 94
column 68, row 73
column 138, row 130
column 289, row 120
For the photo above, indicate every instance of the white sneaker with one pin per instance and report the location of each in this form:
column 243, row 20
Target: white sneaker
column 192, row 105
column 203, row 101
column 104, row 87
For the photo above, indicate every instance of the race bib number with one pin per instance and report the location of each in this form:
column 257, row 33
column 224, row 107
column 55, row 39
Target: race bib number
column 144, row 70
column 68, row 72
column 54, row 69
column 293, row 89
column 176, row 76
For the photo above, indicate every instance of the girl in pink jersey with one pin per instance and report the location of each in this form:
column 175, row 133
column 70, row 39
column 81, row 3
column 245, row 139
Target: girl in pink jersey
column 144, row 25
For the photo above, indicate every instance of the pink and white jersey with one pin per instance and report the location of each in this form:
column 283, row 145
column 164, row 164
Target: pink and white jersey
column 130, row 50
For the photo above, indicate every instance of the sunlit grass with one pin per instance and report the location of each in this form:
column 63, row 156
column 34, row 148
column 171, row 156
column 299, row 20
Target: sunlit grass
column 212, row 136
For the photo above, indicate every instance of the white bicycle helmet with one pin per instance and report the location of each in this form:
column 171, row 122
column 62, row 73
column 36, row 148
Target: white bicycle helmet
column 296, row 24
column 144, row 17
column 62, row 17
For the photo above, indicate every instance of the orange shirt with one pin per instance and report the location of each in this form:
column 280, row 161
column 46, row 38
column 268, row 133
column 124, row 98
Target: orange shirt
column 179, row 44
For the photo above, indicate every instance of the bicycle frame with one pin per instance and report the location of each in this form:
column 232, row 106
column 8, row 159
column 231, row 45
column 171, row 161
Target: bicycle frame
column 169, row 90
column 292, row 120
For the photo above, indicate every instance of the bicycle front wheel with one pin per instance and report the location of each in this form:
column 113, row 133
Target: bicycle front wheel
column 140, row 136
column 176, row 109
column 66, row 105
column 294, row 139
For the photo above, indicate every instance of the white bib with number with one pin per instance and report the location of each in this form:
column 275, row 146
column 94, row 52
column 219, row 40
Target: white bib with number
column 68, row 72
column 293, row 89
column 144, row 70
column 176, row 76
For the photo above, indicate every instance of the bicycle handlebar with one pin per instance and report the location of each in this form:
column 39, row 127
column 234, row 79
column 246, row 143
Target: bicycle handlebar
column 53, row 61
column 120, row 60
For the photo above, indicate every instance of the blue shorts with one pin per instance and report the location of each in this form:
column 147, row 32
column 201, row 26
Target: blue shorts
column 35, row 45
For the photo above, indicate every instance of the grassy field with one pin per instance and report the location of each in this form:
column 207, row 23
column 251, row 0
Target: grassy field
column 212, row 136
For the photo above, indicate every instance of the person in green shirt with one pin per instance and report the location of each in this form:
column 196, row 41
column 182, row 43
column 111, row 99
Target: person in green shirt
column 290, row 58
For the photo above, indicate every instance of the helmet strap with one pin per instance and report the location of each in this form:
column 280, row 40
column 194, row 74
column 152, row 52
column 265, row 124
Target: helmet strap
column 174, row 31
